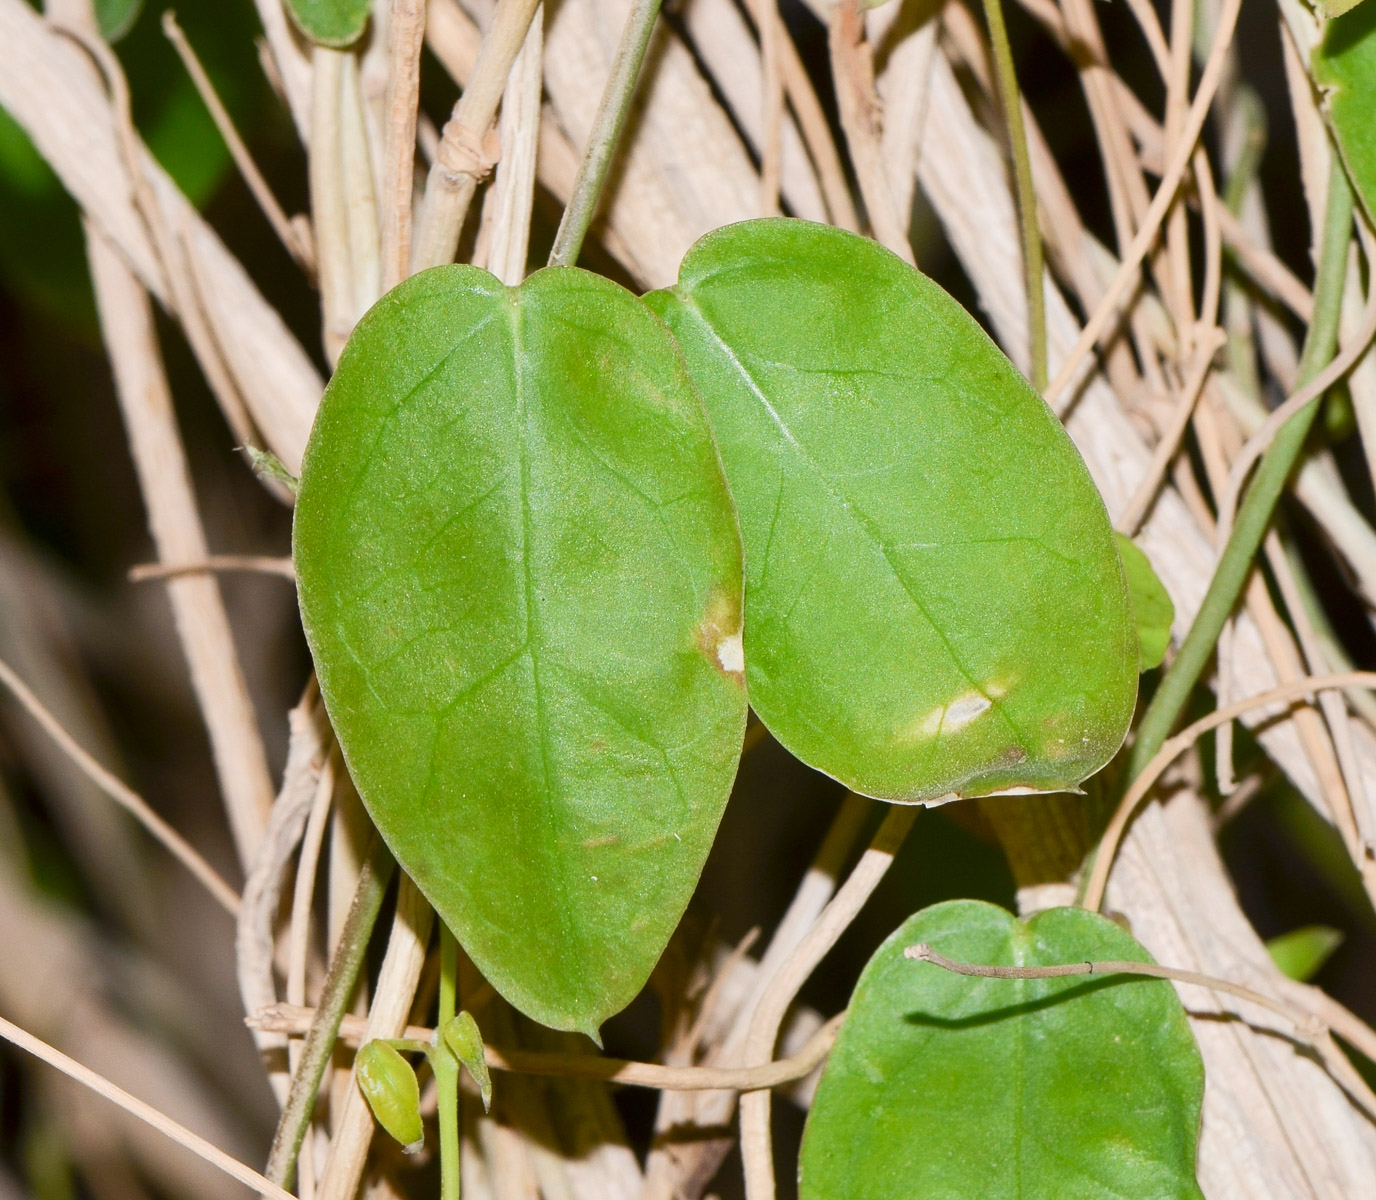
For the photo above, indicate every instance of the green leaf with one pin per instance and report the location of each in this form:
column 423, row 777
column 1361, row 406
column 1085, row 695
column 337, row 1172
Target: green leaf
column 934, row 604
column 389, row 1085
column 1336, row 8
column 1040, row 1089
column 1151, row 604
column 465, row 1042
column 1302, row 952
column 335, row 23
column 520, row 576
column 1345, row 70
column 117, row 17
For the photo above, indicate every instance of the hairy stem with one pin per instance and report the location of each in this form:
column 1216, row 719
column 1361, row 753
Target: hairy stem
column 606, row 133
column 334, row 1001
column 446, row 1068
column 1254, row 517
column 1011, row 99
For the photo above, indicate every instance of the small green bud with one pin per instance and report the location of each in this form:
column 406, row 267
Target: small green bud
column 268, row 466
column 465, row 1042
column 389, row 1085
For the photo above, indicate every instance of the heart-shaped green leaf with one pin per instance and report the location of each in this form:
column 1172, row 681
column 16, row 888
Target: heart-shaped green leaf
column 520, row 576
column 934, row 603
column 1039, row 1089
column 1345, row 68
column 335, row 23
column 1152, row 608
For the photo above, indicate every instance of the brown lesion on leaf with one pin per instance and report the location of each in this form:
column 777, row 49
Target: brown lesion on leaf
column 718, row 634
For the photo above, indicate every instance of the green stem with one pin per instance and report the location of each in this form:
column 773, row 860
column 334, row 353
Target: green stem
column 340, row 981
column 606, row 132
column 446, row 1068
column 1011, row 99
column 1257, row 509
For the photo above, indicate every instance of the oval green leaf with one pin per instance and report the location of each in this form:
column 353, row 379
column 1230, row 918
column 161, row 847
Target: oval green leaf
column 1039, row 1089
column 934, row 604
column 389, row 1085
column 1345, row 69
column 335, row 23
column 520, row 577
column 1152, row 608
column 1302, row 952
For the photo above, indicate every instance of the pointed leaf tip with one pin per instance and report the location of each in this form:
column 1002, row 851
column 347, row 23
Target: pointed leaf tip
column 465, row 1042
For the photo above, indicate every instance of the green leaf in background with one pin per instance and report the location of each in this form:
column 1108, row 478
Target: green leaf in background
column 1336, row 8
column 330, row 22
column 520, row 576
column 1035, row 1089
column 1302, row 952
column 389, row 1085
column 934, row 603
column 1151, row 604
column 1345, row 69
column 117, row 17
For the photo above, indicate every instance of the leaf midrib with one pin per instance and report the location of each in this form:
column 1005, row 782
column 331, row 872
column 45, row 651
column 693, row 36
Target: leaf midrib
column 851, row 509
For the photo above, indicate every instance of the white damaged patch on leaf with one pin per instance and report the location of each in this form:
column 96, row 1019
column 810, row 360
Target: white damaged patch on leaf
column 954, row 716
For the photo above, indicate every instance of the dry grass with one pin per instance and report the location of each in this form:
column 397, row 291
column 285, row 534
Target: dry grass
column 1166, row 334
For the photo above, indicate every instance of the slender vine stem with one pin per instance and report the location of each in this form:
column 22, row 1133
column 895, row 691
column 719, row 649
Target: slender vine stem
column 446, row 1068
column 340, row 979
column 1032, row 257
column 1254, row 517
column 606, row 133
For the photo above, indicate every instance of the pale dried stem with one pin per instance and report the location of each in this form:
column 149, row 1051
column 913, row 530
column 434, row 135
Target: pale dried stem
column 665, row 1169
column 406, row 36
column 771, row 33
column 254, row 940
column 1218, row 441
column 298, row 939
column 303, row 889
column 816, row 131
column 1353, row 350
column 462, row 159
column 294, row 1020
column 1210, row 208
column 212, row 564
column 290, row 63
column 1177, row 745
column 144, row 1112
column 396, row 987
column 1150, row 25
column 291, row 234
column 1169, row 443
column 1266, row 270
column 343, row 206
column 121, row 794
column 167, row 238
column 198, row 609
column 1179, row 301
column 1178, row 163
column 514, row 187
column 1331, row 704
column 46, row 84
column 853, row 68
column 756, row 1143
